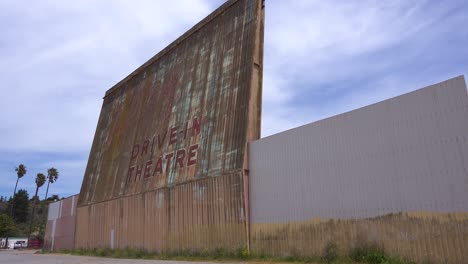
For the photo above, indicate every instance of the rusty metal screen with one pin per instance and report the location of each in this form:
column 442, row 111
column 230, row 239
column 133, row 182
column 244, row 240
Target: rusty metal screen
column 165, row 170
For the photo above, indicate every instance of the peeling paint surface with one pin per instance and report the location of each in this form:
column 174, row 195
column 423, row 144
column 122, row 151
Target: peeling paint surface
column 171, row 139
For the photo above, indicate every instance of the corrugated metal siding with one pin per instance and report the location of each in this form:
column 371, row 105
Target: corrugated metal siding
column 60, row 228
column 198, row 215
column 394, row 173
column 53, row 211
column 213, row 74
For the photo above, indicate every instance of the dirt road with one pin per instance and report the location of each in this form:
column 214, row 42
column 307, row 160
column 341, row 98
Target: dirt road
column 29, row 257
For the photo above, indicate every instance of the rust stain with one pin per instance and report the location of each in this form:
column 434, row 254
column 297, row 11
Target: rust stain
column 419, row 236
column 198, row 215
column 165, row 170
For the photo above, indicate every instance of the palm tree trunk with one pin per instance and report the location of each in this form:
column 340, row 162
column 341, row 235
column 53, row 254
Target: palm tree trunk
column 32, row 213
column 48, row 182
column 13, row 199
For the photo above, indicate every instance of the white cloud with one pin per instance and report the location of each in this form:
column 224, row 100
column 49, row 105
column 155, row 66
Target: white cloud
column 57, row 58
column 350, row 54
column 62, row 56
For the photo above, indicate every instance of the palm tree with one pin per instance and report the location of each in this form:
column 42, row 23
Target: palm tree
column 20, row 171
column 52, row 176
column 40, row 180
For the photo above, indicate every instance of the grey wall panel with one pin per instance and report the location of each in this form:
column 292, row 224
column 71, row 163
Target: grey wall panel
column 54, row 210
column 392, row 174
column 60, row 228
column 405, row 154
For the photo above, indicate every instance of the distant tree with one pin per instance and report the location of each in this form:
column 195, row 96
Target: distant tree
column 7, row 226
column 21, row 201
column 52, row 176
column 20, row 172
column 3, row 205
column 53, row 198
column 40, row 180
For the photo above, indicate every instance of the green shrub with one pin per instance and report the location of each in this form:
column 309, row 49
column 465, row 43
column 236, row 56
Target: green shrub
column 330, row 252
column 242, row 253
column 309, row 260
column 219, row 253
column 371, row 254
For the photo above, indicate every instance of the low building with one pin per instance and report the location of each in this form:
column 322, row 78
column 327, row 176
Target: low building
column 14, row 242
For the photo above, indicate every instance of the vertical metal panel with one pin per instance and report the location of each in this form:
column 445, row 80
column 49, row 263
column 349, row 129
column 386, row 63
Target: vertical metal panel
column 82, row 230
column 206, row 78
column 197, row 215
column 60, row 228
column 393, row 173
column 211, row 77
column 53, row 212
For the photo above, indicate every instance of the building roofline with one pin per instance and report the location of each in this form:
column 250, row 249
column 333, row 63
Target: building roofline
column 220, row 10
column 462, row 77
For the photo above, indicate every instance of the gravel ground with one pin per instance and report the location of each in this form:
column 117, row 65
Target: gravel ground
column 29, row 257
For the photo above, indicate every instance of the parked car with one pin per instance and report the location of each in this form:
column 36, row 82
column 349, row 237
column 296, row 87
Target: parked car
column 19, row 244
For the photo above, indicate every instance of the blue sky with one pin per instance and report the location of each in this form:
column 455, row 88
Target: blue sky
column 322, row 58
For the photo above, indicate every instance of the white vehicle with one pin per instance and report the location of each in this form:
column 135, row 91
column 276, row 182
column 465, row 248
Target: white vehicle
column 19, row 244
